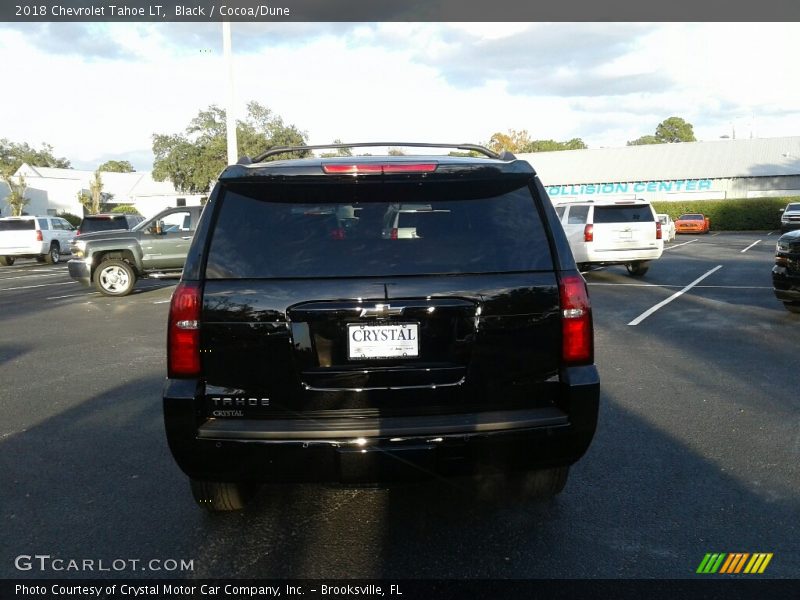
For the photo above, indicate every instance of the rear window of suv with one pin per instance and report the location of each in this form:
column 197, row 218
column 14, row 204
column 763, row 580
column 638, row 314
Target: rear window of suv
column 375, row 230
column 17, row 225
column 640, row 213
column 89, row 225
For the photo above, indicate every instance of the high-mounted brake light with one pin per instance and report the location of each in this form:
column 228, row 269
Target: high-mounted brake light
column 183, row 336
column 588, row 233
column 383, row 168
column 39, row 237
column 658, row 230
column 577, row 333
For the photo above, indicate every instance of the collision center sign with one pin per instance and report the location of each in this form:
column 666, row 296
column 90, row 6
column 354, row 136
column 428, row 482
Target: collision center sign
column 599, row 189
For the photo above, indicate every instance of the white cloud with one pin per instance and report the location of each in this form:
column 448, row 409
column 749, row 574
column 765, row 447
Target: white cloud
column 604, row 82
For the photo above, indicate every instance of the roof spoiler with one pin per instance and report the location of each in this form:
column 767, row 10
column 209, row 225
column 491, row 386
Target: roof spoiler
column 504, row 155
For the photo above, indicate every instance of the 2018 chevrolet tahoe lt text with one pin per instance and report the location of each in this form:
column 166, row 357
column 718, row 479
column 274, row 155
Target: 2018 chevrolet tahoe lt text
column 306, row 341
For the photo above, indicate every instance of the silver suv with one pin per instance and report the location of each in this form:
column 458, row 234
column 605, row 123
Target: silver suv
column 790, row 219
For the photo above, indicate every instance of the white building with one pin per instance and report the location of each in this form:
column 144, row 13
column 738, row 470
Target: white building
column 722, row 169
column 52, row 191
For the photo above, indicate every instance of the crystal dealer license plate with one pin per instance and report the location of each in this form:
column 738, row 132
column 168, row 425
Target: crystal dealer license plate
column 396, row 340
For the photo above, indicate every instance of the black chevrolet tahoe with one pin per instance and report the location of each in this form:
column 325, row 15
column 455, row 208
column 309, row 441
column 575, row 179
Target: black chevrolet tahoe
column 364, row 319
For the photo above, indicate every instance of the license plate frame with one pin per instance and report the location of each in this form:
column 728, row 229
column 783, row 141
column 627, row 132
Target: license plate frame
column 380, row 347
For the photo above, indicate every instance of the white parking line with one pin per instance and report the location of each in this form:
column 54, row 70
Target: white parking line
column 663, row 303
column 669, row 285
column 161, row 302
column 27, row 287
column 681, row 244
column 750, row 246
column 24, row 276
column 75, row 296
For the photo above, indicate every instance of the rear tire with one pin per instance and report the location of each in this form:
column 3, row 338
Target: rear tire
column 54, row 255
column 638, row 268
column 6, row 261
column 218, row 496
column 793, row 307
column 114, row 278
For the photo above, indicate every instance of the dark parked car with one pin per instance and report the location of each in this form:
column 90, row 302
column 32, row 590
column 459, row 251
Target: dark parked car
column 107, row 222
column 786, row 272
column 304, row 343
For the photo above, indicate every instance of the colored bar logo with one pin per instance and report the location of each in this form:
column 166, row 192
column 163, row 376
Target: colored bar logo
column 734, row 562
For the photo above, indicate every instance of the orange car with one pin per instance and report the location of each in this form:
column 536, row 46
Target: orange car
column 692, row 223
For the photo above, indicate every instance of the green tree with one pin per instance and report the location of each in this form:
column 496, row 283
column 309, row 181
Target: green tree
column 674, row 130
column 117, row 166
column 16, row 199
column 85, row 199
column 127, row 209
column 644, row 140
column 91, row 200
column 395, row 152
column 553, row 146
column 192, row 160
column 669, row 131
column 513, row 141
column 338, row 151
column 12, row 155
column 520, row 141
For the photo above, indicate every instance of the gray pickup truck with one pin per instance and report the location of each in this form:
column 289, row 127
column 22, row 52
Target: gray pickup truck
column 114, row 260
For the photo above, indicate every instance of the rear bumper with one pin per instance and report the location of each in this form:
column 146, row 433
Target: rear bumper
column 80, row 270
column 381, row 449
column 26, row 251
column 616, row 257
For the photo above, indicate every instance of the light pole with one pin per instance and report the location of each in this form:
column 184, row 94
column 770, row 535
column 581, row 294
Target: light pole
column 230, row 118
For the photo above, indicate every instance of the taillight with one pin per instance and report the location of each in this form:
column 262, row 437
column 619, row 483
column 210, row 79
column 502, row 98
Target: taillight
column 393, row 234
column 39, row 237
column 183, row 337
column 77, row 232
column 363, row 168
column 577, row 336
column 658, row 230
column 588, row 233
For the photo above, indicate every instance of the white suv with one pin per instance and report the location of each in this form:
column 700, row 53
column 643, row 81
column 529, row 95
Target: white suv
column 42, row 238
column 624, row 232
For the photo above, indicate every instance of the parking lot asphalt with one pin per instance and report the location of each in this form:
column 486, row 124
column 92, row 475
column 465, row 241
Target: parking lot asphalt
column 697, row 448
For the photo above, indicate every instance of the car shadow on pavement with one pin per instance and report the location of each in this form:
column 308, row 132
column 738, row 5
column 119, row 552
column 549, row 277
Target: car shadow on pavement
column 97, row 481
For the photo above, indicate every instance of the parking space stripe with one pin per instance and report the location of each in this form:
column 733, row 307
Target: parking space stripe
column 67, row 296
column 750, row 246
column 674, row 296
column 678, row 245
column 24, row 276
column 27, row 287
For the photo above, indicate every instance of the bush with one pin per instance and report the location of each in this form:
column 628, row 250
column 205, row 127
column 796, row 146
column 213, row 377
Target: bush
column 74, row 220
column 731, row 215
column 128, row 209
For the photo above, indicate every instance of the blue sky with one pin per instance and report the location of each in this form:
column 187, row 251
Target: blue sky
column 100, row 91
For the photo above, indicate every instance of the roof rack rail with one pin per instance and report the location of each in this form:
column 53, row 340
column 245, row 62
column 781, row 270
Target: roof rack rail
column 473, row 147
